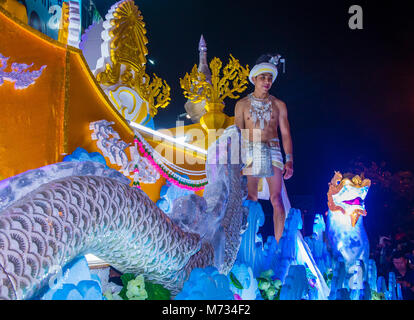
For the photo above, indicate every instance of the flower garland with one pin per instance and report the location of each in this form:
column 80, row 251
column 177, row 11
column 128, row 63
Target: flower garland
column 136, row 179
column 174, row 167
column 164, row 171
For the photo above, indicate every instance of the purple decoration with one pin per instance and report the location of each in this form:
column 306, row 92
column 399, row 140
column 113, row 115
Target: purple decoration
column 18, row 74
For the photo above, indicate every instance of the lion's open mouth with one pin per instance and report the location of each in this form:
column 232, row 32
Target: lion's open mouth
column 354, row 202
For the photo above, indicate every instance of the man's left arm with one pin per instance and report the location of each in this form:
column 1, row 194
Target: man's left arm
column 286, row 139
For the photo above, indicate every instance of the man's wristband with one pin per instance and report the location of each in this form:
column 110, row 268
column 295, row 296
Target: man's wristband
column 289, row 157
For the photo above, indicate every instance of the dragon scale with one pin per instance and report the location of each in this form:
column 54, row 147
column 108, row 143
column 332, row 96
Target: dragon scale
column 78, row 215
column 50, row 215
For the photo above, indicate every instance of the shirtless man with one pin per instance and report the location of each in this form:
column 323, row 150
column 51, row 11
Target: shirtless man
column 260, row 114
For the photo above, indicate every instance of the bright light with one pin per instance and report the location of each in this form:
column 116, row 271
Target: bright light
column 151, row 61
column 182, row 139
column 94, row 260
column 166, row 137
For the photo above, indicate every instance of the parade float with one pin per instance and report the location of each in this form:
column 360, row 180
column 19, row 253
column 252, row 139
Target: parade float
column 88, row 184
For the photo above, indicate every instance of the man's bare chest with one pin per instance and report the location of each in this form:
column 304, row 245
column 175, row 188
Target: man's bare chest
column 252, row 119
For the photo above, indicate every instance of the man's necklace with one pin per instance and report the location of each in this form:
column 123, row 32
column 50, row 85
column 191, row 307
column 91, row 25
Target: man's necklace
column 260, row 109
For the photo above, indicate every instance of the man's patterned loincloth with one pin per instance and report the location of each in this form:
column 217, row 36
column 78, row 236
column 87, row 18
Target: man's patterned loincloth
column 260, row 157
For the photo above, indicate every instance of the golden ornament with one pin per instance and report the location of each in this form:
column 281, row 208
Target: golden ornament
column 197, row 88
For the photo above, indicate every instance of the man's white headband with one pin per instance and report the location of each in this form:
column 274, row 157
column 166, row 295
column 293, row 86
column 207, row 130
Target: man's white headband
column 264, row 67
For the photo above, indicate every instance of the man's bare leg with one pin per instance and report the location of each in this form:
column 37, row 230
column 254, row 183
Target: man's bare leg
column 252, row 186
column 275, row 189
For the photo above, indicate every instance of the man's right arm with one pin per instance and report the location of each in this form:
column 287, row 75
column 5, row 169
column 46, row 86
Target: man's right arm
column 239, row 122
column 238, row 115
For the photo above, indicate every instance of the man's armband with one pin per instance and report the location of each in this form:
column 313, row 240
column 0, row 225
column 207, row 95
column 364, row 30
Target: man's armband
column 289, row 157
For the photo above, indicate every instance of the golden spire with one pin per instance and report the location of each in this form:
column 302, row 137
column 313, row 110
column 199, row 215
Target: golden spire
column 127, row 47
column 128, row 37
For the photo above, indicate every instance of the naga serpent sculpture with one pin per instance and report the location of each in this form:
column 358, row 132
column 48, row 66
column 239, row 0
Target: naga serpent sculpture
column 50, row 215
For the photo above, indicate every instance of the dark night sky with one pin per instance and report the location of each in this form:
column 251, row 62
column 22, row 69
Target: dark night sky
column 348, row 92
